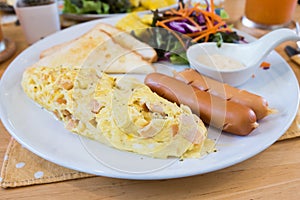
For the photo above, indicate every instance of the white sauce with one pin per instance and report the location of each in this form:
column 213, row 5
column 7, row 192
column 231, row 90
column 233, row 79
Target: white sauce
column 220, row 62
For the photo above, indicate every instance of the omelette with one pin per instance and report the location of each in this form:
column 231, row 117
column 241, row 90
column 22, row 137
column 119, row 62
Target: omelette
column 119, row 112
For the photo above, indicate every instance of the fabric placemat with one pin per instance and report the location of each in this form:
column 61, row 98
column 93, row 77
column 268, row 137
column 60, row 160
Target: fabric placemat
column 22, row 167
column 294, row 129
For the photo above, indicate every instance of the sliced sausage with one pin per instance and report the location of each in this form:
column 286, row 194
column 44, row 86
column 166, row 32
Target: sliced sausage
column 257, row 103
column 213, row 110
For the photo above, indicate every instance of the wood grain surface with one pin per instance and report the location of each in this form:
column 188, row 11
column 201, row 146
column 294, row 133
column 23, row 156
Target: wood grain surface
column 272, row 174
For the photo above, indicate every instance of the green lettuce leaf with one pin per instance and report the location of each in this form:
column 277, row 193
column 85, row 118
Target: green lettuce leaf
column 85, row 7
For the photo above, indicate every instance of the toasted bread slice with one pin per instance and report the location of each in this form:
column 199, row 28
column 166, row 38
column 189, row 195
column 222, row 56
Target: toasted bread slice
column 128, row 41
column 121, row 37
column 55, row 48
column 99, row 50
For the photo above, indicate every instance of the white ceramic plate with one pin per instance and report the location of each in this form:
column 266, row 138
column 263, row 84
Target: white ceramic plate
column 41, row 133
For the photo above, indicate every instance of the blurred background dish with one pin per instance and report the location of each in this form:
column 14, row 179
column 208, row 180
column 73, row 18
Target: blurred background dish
column 5, row 7
column 36, row 28
column 85, row 10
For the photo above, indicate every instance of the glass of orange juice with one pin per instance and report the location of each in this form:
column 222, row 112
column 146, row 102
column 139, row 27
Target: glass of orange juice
column 268, row 14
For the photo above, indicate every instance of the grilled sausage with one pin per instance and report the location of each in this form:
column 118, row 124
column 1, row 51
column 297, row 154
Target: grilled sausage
column 257, row 103
column 213, row 110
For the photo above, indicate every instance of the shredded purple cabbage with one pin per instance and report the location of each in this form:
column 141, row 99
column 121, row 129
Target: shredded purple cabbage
column 182, row 27
column 207, row 5
column 200, row 19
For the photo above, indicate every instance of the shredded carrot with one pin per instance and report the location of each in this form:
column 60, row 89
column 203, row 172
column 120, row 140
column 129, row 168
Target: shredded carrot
column 212, row 6
column 265, row 65
column 206, row 34
column 209, row 23
column 172, row 19
column 213, row 22
column 180, row 7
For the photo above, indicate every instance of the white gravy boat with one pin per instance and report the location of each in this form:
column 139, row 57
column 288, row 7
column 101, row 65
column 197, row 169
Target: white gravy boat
column 250, row 55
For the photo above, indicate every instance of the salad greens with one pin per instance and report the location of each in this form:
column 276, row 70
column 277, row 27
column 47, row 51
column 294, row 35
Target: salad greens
column 173, row 31
column 96, row 6
column 166, row 45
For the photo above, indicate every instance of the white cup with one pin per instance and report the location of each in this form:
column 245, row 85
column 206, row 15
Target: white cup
column 38, row 21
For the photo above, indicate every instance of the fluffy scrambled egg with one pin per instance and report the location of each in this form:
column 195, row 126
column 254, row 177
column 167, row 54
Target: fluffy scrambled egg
column 119, row 112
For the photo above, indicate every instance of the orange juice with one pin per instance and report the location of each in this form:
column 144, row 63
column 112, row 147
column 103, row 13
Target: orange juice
column 270, row 12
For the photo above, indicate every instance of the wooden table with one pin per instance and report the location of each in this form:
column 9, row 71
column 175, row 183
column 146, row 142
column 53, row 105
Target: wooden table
column 272, row 174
